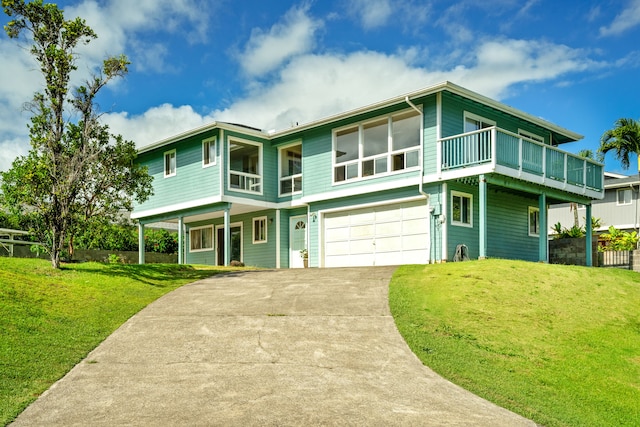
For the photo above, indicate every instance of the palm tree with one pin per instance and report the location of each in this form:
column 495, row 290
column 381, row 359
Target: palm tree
column 624, row 138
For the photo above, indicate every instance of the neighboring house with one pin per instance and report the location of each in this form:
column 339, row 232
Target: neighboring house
column 401, row 181
column 619, row 207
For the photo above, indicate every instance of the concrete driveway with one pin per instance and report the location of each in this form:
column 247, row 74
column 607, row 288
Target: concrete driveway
column 266, row 348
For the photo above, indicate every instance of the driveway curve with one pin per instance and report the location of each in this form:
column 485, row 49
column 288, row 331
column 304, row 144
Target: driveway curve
column 268, row 348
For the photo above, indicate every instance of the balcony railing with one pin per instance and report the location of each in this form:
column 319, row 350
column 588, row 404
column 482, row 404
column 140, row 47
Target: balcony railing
column 245, row 181
column 524, row 157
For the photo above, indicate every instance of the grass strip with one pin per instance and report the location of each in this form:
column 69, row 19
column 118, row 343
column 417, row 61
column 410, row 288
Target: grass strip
column 51, row 319
column 557, row 344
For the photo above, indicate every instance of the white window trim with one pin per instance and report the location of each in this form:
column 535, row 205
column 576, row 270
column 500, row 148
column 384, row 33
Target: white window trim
column 361, row 159
column 202, row 249
column 618, row 197
column 533, row 136
column 164, row 163
column 460, row 223
column 280, row 149
column 253, row 230
column 260, row 166
column 214, row 161
column 529, row 211
column 469, row 115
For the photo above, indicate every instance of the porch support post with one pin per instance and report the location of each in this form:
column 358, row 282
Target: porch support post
column 543, row 243
column 589, row 236
column 482, row 193
column 140, row 243
column 278, row 241
column 227, row 236
column 180, row 240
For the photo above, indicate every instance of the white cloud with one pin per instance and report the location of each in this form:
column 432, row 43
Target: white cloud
column 265, row 51
column 155, row 124
column 625, row 20
column 371, row 13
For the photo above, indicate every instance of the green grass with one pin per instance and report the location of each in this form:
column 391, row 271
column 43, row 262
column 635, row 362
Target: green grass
column 557, row 344
column 51, row 319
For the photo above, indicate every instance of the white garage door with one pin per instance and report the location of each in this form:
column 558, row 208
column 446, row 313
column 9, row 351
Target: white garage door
column 382, row 235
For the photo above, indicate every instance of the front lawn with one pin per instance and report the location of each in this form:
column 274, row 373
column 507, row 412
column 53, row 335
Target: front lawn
column 557, row 344
column 51, row 319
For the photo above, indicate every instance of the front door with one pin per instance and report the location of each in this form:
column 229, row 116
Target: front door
column 297, row 240
column 236, row 244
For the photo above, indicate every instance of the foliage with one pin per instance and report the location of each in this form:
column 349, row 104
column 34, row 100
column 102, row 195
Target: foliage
column 556, row 344
column 76, row 170
column 618, row 240
column 51, row 319
column 624, row 139
column 576, row 230
column 124, row 237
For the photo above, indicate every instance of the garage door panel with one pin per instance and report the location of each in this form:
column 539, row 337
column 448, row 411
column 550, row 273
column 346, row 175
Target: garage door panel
column 392, row 234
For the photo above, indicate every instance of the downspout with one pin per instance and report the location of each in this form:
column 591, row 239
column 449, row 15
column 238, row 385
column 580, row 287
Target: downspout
column 421, row 173
column 412, row 105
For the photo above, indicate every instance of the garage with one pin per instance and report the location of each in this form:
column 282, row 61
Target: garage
column 381, row 235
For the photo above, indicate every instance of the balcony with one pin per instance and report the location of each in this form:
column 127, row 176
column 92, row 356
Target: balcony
column 494, row 150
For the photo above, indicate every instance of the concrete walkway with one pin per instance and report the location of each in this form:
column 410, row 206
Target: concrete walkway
column 268, row 348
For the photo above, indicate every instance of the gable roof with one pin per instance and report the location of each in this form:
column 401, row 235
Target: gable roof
column 564, row 134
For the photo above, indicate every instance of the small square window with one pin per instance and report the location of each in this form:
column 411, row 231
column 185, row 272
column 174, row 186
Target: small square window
column 170, row 163
column 534, row 221
column 624, row 196
column 260, row 230
column 209, row 152
column 461, row 209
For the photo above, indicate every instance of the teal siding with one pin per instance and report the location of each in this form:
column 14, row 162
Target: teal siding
column 508, row 225
column 316, row 163
column 463, row 235
column 191, row 181
column 454, row 106
column 430, row 134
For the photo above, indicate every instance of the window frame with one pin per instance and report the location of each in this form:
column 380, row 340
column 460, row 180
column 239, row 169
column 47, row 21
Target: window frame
column 175, row 163
column 258, row 221
column 209, row 142
column 293, row 177
column 623, row 199
column 201, row 249
column 533, row 209
column 460, row 223
column 259, row 166
column 354, row 170
column 469, row 115
column 530, row 135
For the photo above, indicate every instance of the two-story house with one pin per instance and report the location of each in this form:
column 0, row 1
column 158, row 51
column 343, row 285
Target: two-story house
column 401, row 181
column 619, row 207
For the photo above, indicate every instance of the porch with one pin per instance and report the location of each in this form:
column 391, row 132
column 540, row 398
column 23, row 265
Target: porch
column 494, row 150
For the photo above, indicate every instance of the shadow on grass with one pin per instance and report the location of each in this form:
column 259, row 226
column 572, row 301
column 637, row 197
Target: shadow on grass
column 157, row 275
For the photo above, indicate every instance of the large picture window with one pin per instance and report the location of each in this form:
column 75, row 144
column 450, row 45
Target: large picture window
column 380, row 146
column 461, row 209
column 201, row 239
column 169, row 163
column 245, row 166
column 291, row 169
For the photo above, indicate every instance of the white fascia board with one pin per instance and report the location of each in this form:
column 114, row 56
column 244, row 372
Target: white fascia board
column 250, row 202
column 177, row 207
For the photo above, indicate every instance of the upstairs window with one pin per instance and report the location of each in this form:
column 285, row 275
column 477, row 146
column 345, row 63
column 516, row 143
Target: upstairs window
column 380, row 146
column 245, row 166
column 461, row 209
column 624, row 196
column 169, row 163
column 473, row 122
column 209, row 152
column 291, row 169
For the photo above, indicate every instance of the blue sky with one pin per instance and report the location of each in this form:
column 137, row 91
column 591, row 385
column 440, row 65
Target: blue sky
column 270, row 64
